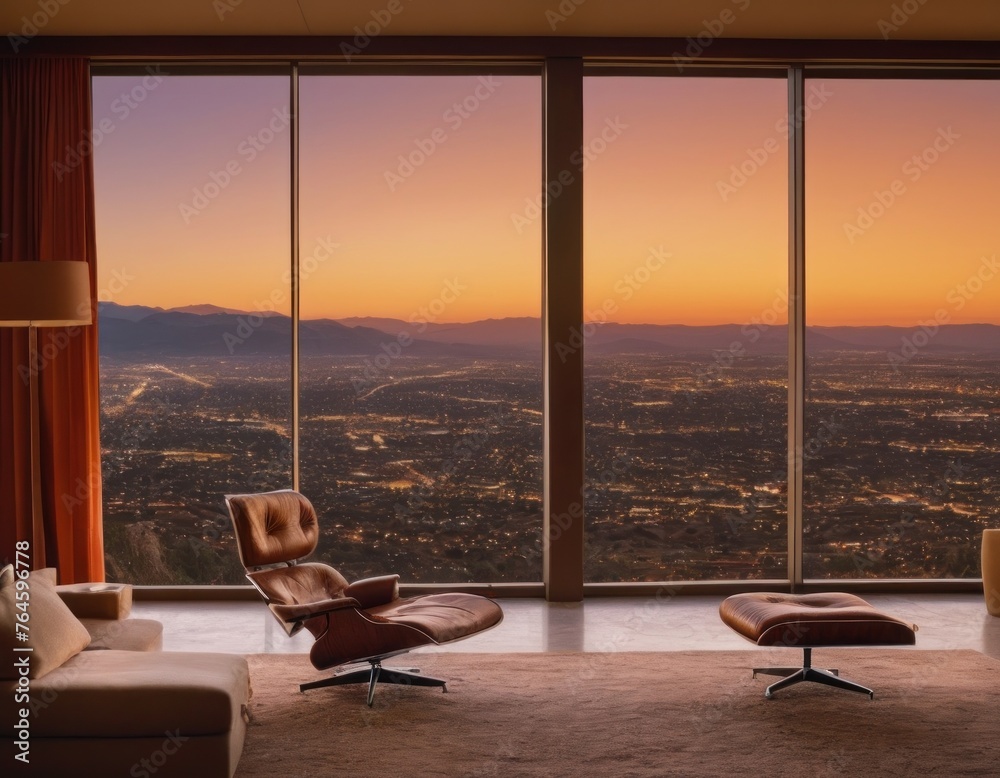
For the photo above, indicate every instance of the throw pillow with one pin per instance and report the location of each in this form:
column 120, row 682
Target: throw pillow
column 50, row 574
column 54, row 633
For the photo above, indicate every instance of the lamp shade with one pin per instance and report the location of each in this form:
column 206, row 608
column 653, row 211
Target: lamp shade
column 44, row 294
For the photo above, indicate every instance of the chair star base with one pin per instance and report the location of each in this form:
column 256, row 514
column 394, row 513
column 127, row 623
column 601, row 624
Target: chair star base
column 794, row 675
column 373, row 675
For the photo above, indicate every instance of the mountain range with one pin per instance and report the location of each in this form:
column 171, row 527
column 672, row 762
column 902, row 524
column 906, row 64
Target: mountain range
column 207, row 330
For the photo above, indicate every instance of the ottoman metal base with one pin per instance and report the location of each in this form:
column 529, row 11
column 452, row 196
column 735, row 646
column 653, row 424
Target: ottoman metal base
column 794, row 675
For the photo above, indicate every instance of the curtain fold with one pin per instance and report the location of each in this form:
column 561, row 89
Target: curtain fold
column 47, row 213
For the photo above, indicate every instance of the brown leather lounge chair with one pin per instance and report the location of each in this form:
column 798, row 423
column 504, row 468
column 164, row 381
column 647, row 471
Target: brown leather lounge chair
column 365, row 621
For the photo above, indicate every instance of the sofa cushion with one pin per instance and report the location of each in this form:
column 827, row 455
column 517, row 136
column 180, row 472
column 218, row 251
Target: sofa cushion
column 136, row 694
column 54, row 633
column 124, row 634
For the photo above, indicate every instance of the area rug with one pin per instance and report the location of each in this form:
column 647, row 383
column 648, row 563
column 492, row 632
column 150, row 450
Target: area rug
column 632, row 714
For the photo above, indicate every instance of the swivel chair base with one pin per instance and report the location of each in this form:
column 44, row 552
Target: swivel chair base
column 373, row 675
column 807, row 672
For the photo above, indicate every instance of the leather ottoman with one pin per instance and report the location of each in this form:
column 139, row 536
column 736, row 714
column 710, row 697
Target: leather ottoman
column 810, row 621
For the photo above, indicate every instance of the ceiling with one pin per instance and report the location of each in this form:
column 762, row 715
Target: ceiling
column 859, row 19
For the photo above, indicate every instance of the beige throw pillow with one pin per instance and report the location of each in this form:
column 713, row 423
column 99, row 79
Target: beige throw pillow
column 50, row 574
column 54, row 633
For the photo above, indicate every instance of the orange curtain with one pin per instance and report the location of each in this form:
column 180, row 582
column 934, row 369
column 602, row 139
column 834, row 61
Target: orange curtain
column 47, row 213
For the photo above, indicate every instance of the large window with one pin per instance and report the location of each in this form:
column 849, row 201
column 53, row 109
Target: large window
column 902, row 458
column 412, row 411
column 193, row 242
column 686, row 307
column 420, row 357
column 421, row 338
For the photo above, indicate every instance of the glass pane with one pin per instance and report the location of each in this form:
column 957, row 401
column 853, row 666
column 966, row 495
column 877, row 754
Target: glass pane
column 686, row 340
column 421, row 388
column 902, row 459
column 193, row 243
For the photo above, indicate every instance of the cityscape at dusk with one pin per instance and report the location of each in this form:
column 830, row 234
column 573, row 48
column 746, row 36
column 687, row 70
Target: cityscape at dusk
column 434, row 465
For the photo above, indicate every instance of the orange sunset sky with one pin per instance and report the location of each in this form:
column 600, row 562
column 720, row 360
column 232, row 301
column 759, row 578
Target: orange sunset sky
column 193, row 196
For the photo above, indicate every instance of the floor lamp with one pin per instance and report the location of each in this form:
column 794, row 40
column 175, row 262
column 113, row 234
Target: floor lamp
column 32, row 295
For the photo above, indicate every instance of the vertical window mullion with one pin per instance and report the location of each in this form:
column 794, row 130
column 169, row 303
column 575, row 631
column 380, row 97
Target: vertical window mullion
column 294, row 269
column 796, row 320
column 563, row 319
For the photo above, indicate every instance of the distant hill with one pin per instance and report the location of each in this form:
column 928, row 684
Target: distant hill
column 206, row 309
column 202, row 330
column 950, row 337
column 127, row 312
column 515, row 331
column 213, row 331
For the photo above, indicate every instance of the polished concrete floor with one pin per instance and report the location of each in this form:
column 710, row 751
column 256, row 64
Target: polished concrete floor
column 684, row 623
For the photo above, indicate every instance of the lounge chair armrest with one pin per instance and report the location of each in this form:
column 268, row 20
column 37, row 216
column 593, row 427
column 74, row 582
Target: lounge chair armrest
column 374, row 591
column 308, row 610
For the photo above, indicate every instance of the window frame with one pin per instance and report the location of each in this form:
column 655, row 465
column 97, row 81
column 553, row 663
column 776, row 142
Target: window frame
column 562, row 64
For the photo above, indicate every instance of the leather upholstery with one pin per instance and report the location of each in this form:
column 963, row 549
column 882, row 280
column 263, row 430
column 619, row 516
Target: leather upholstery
column 305, row 582
column 354, row 635
column 274, row 527
column 442, row 617
column 370, row 592
column 351, row 622
column 813, row 620
column 284, row 588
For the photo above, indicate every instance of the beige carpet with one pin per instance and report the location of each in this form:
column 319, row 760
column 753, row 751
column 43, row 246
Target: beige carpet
column 632, row 714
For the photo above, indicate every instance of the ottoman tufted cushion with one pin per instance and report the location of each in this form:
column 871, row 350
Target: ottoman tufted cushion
column 829, row 619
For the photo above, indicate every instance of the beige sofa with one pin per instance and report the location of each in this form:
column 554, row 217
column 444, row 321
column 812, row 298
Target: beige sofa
column 95, row 696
